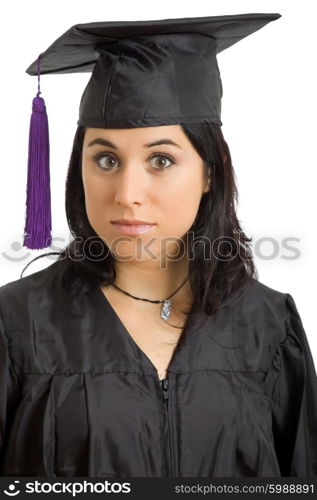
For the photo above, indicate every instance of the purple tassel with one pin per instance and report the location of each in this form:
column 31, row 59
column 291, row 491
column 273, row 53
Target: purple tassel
column 38, row 225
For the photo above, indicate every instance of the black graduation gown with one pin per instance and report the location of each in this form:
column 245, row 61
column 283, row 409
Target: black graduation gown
column 80, row 398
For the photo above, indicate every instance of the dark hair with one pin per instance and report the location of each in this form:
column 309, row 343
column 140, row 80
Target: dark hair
column 214, row 281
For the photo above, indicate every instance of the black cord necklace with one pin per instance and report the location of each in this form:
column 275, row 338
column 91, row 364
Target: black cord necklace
column 167, row 304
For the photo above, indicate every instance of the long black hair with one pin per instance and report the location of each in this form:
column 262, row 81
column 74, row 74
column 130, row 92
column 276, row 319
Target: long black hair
column 215, row 279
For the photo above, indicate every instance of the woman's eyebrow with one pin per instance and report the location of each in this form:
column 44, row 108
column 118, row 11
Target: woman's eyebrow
column 104, row 142
column 162, row 141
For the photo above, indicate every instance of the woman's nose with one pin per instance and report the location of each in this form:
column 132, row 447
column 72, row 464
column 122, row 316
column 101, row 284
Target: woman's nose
column 130, row 185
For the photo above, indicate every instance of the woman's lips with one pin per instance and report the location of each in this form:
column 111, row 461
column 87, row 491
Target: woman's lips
column 133, row 229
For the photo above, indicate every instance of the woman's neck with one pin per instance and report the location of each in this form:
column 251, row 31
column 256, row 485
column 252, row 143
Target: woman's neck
column 148, row 280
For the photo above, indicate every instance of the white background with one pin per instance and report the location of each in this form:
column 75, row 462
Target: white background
column 269, row 121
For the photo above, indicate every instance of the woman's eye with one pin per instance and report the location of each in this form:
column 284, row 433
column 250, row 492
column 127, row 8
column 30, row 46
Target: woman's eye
column 105, row 161
column 162, row 162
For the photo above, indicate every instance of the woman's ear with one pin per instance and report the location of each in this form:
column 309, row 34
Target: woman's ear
column 207, row 180
column 207, row 186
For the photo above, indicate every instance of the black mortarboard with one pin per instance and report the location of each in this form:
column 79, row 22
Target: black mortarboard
column 144, row 73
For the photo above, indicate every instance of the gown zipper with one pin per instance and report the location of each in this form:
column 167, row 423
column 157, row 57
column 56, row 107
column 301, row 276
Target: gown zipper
column 164, row 383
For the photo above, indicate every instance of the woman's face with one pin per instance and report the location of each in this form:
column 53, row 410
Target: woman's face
column 152, row 174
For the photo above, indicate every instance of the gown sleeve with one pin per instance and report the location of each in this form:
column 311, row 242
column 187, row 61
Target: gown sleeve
column 292, row 386
column 8, row 391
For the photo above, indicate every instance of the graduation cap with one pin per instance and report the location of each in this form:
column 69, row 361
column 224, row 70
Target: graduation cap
column 144, row 73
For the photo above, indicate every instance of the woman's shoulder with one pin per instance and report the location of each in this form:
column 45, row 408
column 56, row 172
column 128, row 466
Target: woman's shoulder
column 267, row 309
column 17, row 291
column 256, row 294
column 254, row 323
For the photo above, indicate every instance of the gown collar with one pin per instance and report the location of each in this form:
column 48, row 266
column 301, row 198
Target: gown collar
column 207, row 342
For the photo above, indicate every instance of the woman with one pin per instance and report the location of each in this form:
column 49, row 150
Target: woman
column 153, row 350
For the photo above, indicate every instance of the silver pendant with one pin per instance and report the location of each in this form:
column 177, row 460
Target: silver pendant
column 166, row 309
